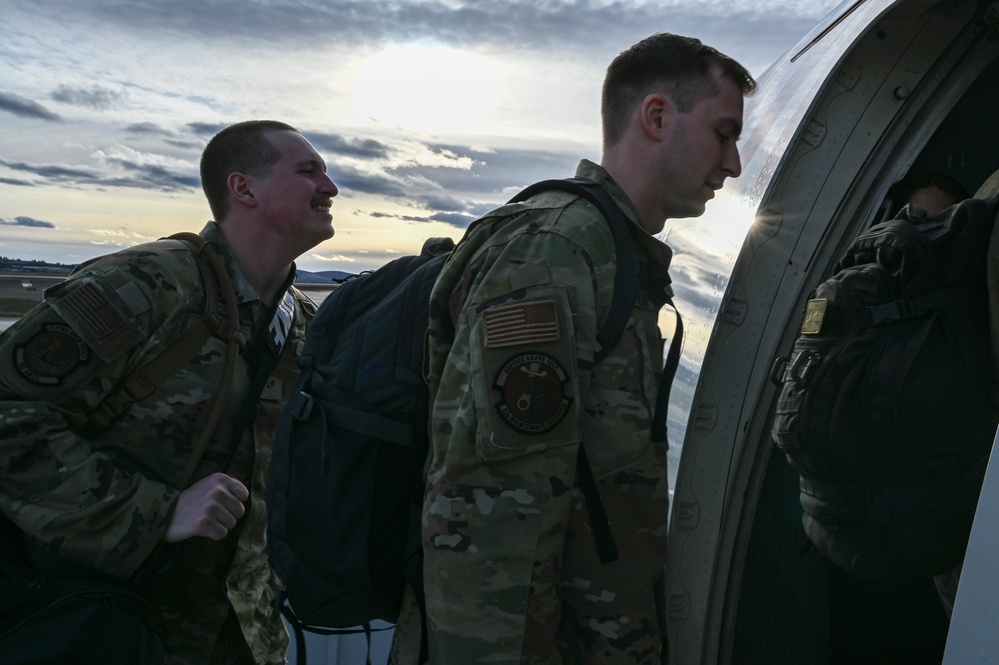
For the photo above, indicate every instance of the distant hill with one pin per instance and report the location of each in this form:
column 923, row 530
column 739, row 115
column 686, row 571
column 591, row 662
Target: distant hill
column 20, row 266
column 324, row 277
column 34, row 267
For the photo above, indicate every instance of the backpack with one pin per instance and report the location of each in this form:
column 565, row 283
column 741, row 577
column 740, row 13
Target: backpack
column 885, row 408
column 345, row 490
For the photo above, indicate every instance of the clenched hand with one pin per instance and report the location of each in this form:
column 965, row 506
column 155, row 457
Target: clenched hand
column 209, row 507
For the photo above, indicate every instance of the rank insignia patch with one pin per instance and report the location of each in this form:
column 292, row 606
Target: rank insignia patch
column 533, row 399
column 51, row 354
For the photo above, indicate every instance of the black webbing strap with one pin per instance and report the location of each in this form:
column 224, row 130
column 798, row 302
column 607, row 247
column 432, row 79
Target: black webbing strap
column 228, row 330
column 626, row 279
column 622, row 302
column 298, row 627
column 143, row 381
column 659, row 427
column 266, row 360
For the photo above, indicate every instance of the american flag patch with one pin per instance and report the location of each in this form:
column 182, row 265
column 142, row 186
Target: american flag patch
column 97, row 317
column 526, row 323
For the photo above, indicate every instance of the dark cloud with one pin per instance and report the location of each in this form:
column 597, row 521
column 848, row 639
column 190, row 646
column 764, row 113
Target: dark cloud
column 148, row 128
column 206, row 129
column 336, row 145
column 96, row 97
column 350, row 180
column 53, row 172
column 446, row 192
column 25, row 108
column 152, row 177
column 457, row 219
column 496, row 170
column 27, row 221
column 592, row 28
column 16, row 182
column 196, row 146
column 155, row 176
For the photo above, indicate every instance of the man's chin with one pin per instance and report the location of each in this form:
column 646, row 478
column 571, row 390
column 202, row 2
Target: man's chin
column 692, row 210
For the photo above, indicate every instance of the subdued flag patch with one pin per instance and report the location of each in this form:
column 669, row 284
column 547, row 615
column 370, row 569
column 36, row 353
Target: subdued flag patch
column 522, row 323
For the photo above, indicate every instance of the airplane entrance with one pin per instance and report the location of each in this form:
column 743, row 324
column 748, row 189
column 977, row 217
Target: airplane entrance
column 895, row 88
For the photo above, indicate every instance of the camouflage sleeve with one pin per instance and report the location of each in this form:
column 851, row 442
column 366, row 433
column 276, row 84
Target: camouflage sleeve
column 506, row 431
column 59, row 480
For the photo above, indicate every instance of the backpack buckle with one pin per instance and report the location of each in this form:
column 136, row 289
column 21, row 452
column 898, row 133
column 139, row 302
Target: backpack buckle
column 803, row 366
column 303, row 406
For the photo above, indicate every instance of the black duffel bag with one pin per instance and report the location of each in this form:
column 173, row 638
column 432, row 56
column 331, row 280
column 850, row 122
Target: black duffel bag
column 55, row 619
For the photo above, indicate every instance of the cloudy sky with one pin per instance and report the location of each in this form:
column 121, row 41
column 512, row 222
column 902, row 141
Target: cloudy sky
column 428, row 112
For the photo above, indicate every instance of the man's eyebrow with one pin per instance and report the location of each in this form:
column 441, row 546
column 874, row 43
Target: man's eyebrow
column 734, row 126
column 314, row 163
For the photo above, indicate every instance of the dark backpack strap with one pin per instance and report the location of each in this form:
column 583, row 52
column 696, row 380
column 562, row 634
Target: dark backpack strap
column 143, row 381
column 659, row 426
column 214, row 276
column 266, row 362
column 298, row 628
column 610, row 331
column 626, row 276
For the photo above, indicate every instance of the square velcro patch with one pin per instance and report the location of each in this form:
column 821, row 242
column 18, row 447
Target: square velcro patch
column 99, row 314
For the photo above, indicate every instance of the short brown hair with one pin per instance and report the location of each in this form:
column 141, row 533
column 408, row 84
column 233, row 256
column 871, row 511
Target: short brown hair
column 240, row 148
column 675, row 65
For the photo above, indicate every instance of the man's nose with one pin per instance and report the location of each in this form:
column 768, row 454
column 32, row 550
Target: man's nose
column 731, row 164
column 329, row 186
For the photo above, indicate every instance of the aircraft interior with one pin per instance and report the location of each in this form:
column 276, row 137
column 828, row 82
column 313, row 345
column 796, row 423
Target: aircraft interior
column 793, row 605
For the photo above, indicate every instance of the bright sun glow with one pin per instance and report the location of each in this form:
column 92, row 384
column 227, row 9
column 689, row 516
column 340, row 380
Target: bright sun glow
column 426, row 88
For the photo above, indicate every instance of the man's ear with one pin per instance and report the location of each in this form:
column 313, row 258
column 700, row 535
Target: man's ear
column 241, row 188
column 656, row 115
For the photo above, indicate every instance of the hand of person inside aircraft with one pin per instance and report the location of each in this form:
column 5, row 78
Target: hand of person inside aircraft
column 209, row 507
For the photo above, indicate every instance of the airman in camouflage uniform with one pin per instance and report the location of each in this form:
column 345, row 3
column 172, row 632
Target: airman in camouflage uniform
column 511, row 571
column 92, row 494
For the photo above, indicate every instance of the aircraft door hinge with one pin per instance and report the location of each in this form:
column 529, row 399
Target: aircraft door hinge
column 687, row 515
column 848, row 75
column 813, row 133
column 679, row 606
column 705, row 417
column 735, row 311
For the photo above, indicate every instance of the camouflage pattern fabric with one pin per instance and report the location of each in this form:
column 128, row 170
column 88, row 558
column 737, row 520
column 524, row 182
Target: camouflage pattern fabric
column 100, row 497
column 511, row 570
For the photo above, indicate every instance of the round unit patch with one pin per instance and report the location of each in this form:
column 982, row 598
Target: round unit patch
column 532, row 393
column 51, row 354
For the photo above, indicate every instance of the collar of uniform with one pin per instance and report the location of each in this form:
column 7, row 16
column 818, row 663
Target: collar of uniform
column 244, row 292
column 656, row 250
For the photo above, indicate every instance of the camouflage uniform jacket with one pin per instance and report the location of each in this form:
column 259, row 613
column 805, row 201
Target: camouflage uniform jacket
column 511, row 571
column 101, row 496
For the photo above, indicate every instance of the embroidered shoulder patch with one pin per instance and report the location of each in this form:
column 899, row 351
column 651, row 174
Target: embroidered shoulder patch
column 51, row 355
column 532, row 388
column 521, row 323
column 96, row 308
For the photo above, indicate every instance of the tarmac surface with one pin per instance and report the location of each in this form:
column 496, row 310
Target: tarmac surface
column 19, row 292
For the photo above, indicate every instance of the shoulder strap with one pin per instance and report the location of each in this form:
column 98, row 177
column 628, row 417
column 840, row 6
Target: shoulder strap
column 625, row 289
column 625, row 285
column 214, row 275
column 626, row 276
column 147, row 378
column 610, row 331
